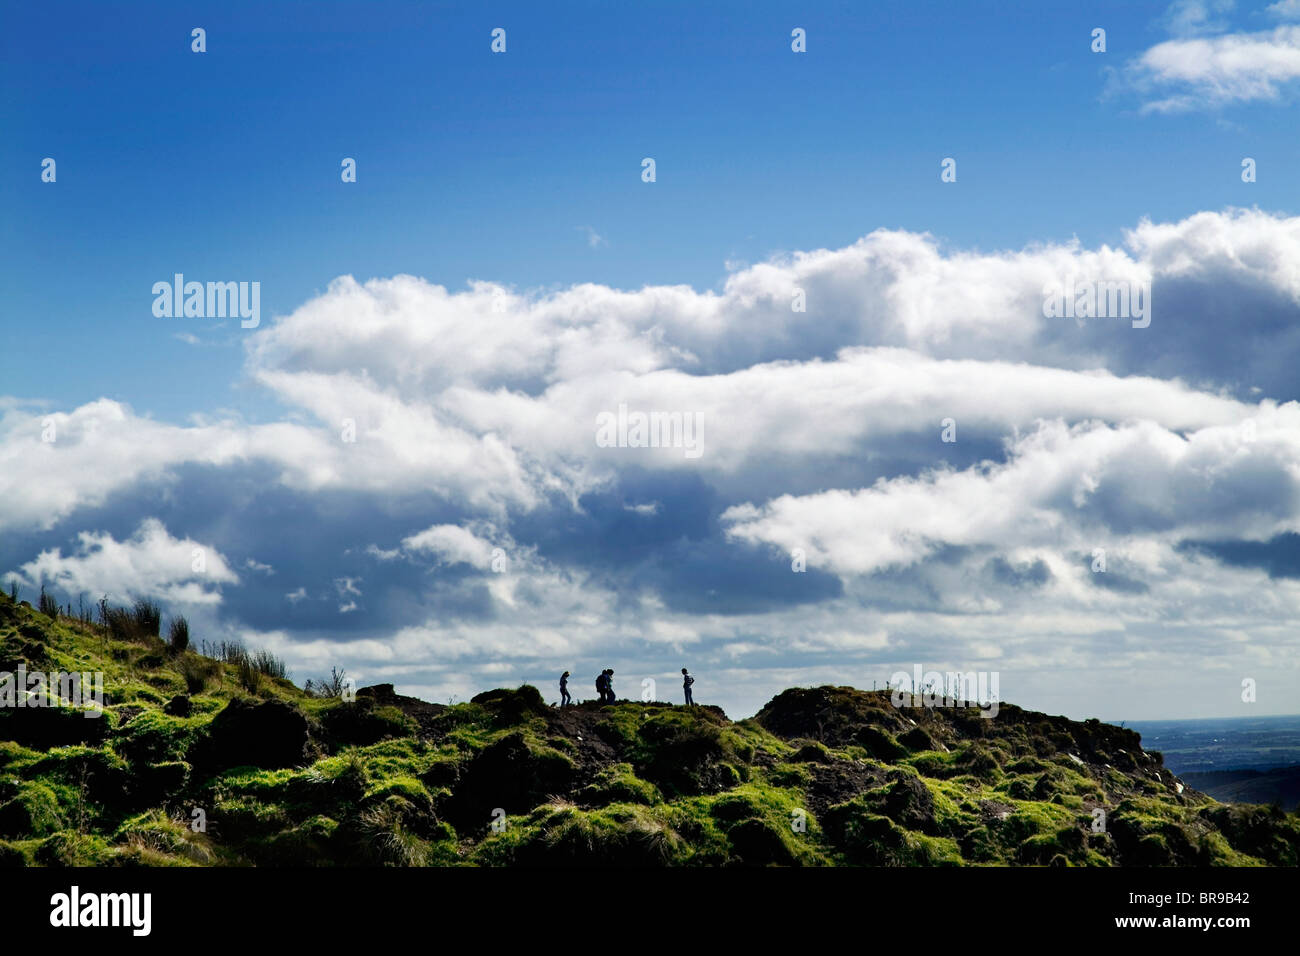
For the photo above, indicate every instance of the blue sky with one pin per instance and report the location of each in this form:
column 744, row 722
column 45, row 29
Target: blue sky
column 488, row 167
column 524, row 169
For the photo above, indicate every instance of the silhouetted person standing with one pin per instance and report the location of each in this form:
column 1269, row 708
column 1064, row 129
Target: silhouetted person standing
column 609, row 685
column 565, row 698
column 602, row 685
column 687, row 681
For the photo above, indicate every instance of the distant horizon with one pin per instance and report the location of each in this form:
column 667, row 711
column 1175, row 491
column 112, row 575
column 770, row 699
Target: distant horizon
column 1178, row 720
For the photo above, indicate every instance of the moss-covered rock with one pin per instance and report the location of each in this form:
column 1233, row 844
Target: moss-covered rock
column 616, row 836
column 514, row 773
column 619, row 784
column 685, row 752
column 363, row 722
column 31, row 810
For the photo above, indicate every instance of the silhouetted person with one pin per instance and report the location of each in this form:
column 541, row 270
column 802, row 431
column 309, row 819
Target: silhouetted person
column 601, row 685
column 609, row 685
column 565, row 698
column 687, row 681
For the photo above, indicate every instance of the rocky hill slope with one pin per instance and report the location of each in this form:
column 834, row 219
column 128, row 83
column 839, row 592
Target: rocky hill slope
column 199, row 761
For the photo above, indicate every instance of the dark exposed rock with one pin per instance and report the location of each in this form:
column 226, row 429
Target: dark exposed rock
column 44, row 727
column 910, row 804
column 836, row 716
column 379, row 693
column 512, row 706
column 156, row 783
column 840, row 781
column 267, row 734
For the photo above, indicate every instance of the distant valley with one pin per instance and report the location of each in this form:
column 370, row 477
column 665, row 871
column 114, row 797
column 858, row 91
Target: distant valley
column 1235, row 760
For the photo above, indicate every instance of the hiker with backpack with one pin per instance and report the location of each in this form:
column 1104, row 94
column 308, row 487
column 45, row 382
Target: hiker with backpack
column 609, row 685
column 687, row 681
column 565, row 698
column 601, row 686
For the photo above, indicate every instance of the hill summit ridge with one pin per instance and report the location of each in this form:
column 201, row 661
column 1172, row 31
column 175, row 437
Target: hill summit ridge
column 220, row 760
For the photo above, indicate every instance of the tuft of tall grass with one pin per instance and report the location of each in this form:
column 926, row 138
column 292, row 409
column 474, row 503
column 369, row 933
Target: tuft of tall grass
column 250, row 678
column 137, row 623
column 178, row 635
column 267, row 663
column 251, row 666
column 147, row 617
column 198, row 672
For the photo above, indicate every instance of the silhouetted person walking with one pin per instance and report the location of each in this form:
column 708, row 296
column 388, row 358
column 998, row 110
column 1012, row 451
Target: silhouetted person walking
column 602, row 684
column 687, row 681
column 565, row 698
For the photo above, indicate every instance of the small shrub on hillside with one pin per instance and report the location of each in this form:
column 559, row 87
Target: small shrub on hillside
column 331, row 686
column 48, row 606
column 178, row 635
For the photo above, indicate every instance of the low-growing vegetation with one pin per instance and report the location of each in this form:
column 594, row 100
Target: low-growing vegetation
column 216, row 758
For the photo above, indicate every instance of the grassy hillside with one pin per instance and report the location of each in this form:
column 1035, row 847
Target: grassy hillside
column 284, row 777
